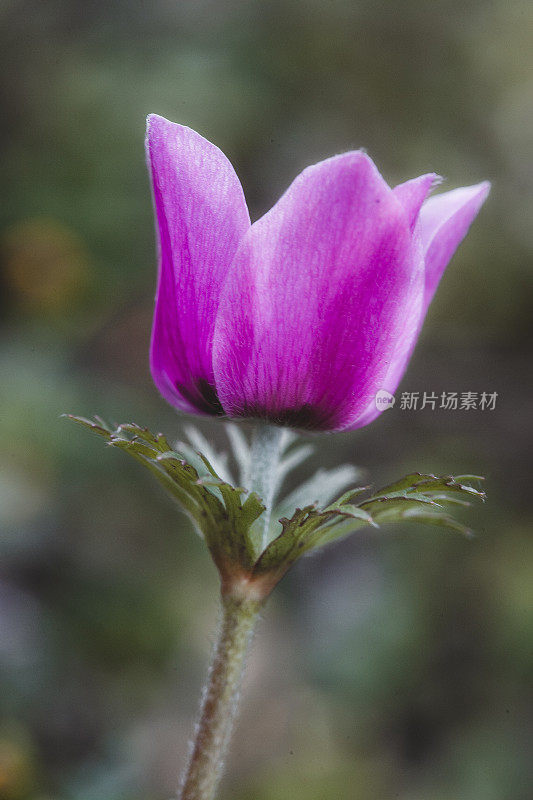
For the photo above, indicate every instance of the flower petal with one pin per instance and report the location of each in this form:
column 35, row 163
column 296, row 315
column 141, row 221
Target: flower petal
column 442, row 225
column 321, row 291
column 201, row 217
column 412, row 194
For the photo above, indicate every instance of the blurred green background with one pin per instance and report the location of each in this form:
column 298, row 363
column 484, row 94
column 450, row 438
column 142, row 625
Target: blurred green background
column 397, row 664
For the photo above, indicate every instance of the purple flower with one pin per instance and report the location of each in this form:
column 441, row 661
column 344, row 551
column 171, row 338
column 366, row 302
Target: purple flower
column 303, row 316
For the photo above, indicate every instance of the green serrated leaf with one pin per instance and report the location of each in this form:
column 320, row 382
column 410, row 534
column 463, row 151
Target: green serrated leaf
column 327, row 534
column 99, row 427
column 214, row 505
column 225, row 514
column 439, row 520
column 447, row 485
column 416, row 497
column 429, row 484
column 356, row 512
column 292, row 530
column 307, row 529
column 407, row 482
column 402, row 493
column 452, row 499
column 346, row 497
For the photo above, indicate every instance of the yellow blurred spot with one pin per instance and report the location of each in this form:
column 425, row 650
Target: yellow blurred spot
column 16, row 769
column 46, row 265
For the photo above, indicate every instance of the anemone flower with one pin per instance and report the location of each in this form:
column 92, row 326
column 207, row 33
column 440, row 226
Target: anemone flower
column 305, row 319
column 303, row 316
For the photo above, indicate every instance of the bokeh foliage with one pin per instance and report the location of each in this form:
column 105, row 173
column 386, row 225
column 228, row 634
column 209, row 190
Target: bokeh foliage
column 393, row 664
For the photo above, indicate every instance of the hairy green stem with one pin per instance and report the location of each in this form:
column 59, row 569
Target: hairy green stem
column 239, row 616
column 220, row 699
column 265, row 452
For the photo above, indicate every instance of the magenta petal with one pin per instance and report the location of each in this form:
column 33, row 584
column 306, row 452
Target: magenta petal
column 324, row 291
column 442, row 224
column 412, row 194
column 201, row 217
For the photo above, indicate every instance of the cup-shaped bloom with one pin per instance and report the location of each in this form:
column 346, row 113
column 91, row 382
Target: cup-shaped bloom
column 302, row 317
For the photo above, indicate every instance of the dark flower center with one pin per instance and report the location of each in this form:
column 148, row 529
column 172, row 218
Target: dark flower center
column 304, row 417
column 202, row 396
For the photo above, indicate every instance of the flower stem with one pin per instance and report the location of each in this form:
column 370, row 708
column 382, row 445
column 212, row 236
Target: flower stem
column 239, row 616
column 220, row 698
column 266, row 447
